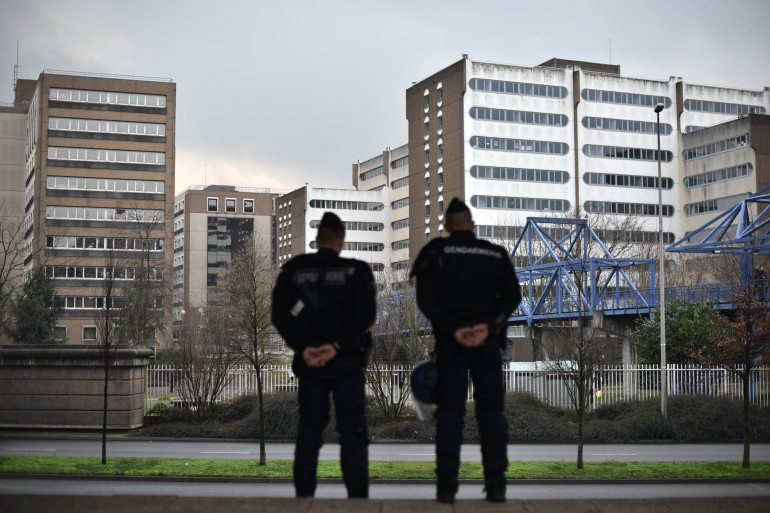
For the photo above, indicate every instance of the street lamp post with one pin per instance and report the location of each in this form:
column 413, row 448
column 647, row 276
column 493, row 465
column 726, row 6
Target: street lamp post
column 663, row 372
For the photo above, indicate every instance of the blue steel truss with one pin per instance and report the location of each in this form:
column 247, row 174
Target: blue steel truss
column 575, row 275
column 734, row 232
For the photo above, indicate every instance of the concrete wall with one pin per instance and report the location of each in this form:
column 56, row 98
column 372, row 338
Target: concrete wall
column 63, row 386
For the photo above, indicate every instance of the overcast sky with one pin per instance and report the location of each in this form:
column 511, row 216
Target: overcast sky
column 280, row 93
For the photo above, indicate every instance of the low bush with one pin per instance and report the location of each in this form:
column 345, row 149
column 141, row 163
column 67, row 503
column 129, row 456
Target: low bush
column 690, row 418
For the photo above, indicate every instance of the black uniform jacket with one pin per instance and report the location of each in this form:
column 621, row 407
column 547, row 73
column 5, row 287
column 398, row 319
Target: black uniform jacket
column 463, row 281
column 321, row 298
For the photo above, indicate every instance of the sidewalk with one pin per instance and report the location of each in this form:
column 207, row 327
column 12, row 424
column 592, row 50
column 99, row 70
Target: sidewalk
column 172, row 504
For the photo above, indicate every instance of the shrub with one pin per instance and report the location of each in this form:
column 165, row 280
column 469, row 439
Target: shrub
column 530, row 419
column 404, row 430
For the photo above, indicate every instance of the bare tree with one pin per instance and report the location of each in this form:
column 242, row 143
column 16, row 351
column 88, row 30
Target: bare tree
column 12, row 236
column 203, row 359
column 247, row 295
column 402, row 337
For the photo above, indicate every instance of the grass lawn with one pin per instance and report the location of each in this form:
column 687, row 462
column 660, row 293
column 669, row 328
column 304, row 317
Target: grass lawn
column 377, row 469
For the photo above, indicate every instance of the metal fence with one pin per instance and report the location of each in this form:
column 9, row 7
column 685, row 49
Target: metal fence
column 611, row 384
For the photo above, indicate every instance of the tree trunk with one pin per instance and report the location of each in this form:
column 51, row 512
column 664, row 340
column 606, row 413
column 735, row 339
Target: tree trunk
column 262, row 450
column 104, row 412
column 746, row 419
column 581, row 416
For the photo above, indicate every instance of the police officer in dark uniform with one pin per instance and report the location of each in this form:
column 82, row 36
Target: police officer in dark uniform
column 323, row 306
column 467, row 288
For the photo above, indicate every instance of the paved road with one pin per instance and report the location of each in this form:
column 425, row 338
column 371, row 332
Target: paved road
column 378, row 451
column 377, row 490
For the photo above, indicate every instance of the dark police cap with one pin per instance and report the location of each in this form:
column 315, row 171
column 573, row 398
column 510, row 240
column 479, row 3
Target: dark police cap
column 330, row 220
column 456, row 206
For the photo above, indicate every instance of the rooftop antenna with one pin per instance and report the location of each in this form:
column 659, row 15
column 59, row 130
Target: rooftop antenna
column 16, row 67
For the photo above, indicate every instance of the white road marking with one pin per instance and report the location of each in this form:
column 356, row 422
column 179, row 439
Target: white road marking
column 30, row 450
column 613, row 454
column 225, row 452
column 431, row 454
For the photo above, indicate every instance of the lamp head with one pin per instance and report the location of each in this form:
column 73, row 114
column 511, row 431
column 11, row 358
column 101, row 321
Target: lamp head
column 659, row 107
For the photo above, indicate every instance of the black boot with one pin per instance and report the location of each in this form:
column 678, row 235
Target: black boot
column 495, row 489
column 445, row 492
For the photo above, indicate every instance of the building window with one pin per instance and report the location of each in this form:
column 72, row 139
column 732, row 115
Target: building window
column 401, row 223
column 212, row 204
column 440, row 151
column 355, row 226
column 60, row 334
column 519, row 174
column 248, row 206
column 89, row 335
column 345, row 205
column 636, row 209
column 400, row 265
column 400, row 162
column 722, row 146
column 518, row 145
column 427, row 183
column 621, row 152
column 505, row 87
column 440, row 123
column 513, row 203
column 400, row 203
column 440, row 179
column 440, row 93
column 401, row 182
column 735, row 109
column 107, row 156
column 229, row 204
column 104, row 214
column 427, row 157
column 626, row 125
column 440, row 207
column 427, row 129
column 426, row 101
column 97, row 126
column 719, row 175
column 77, row 183
column 400, row 244
column 643, row 182
column 427, row 210
column 368, row 175
column 713, row 205
column 101, row 243
column 517, row 116
column 108, row 97
column 642, row 100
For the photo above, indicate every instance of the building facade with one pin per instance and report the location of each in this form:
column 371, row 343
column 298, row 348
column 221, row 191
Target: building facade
column 564, row 138
column 98, row 188
column 210, row 224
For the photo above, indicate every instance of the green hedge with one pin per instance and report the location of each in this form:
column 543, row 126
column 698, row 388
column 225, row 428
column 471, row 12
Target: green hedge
column 690, row 418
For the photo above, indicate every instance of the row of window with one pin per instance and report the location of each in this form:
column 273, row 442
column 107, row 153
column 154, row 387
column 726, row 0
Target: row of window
column 626, row 125
column 346, row 205
column 400, row 203
column 78, row 183
column 117, row 156
column 212, row 205
column 400, row 162
column 97, row 273
column 108, row 97
column 401, row 182
column 107, row 127
column 716, row 147
column 637, row 209
column 400, row 244
column 704, row 207
column 95, row 302
column 719, row 175
column 514, row 232
column 503, row 86
column 356, row 246
column 735, row 109
column 644, row 182
column 622, row 152
column 401, row 223
column 117, row 243
column 104, row 214
column 400, row 265
column 644, row 100
column 368, row 175
column 522, row 145
column 519, row 174
column 518, row 116
column 512, row 203
column 361, row 226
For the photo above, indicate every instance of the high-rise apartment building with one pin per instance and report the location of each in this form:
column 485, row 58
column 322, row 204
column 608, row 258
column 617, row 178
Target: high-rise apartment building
column 99, row 185
column 210, row 224
column 517, row 141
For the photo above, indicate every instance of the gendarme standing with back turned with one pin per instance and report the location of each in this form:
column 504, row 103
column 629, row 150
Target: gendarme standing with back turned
column 467, row 288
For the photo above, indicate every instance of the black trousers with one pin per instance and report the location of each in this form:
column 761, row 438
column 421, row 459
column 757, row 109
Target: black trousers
column 453, row 362
column 348, row 393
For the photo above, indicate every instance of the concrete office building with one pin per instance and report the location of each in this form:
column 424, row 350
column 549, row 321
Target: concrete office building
column 390, row 172
column 520, row 141
column 298, row 215
column 98, row 186
column 210, row 224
